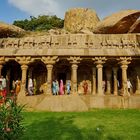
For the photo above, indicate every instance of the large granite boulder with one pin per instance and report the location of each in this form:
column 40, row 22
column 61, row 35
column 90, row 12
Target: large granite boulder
column 80, row 18
column 135, row 28
column 7, row 30
column 117, row 23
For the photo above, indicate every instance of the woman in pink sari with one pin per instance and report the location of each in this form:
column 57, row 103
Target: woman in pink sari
column 61, row 89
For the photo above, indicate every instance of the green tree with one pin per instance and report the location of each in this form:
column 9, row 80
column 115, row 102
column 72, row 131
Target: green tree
column 40, row 23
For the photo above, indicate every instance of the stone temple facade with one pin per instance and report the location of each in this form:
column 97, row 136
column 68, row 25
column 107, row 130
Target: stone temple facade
column 112, row 58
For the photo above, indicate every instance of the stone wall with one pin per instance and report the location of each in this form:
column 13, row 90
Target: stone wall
column 79, row 103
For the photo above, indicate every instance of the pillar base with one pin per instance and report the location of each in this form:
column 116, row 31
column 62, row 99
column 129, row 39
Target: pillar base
column 107, row 93
column 137, row 92
column 115, row 93
column 100, row 94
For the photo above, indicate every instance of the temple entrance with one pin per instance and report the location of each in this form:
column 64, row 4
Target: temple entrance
column 38, row 73
column 12, row 72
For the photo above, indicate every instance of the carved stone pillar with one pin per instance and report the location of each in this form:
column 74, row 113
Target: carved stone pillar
column 108, row 77
column 23, row 61
column 100, row 79
column 49, row 62
column 49, row 78
column 24, row 68
column 74, row 78
column 94, row 80
column 138, row 81
column 115, row 75
column 74, row 66
column 99, row 61
column 124, row 65
column 124, row 79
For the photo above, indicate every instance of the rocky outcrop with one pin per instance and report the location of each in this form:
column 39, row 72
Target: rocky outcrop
column 7, row 30
column 135, row 28
column 117, row 23
column 80, row 18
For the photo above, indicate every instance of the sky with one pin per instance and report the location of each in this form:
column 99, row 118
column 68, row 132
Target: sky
column 11, row 10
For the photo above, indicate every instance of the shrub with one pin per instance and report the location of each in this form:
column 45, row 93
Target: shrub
column 11, row 127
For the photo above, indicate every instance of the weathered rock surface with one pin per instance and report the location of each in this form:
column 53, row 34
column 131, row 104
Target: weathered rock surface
column 80, row 18
column 7, row 30
column 135, row 28
column 117, row 23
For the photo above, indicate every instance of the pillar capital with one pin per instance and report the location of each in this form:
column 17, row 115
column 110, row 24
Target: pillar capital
column 25, row 60
column 74, row 59
column 49, row 60
column 99, row 61
column 124, row 61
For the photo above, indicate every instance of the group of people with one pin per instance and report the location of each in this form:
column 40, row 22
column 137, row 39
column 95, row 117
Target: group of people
column 59, row 89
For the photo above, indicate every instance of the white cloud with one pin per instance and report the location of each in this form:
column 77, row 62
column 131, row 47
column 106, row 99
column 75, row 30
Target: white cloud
column 37, row 7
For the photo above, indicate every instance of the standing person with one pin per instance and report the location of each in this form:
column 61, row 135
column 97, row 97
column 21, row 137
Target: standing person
column 35, row 86
column 4, row 92
column 30, row 86
column 129, row 85
column 57, row 87
column 68, row 87
column 17, row 89
column 85, row 86
column 54, row 87
column 61, row 89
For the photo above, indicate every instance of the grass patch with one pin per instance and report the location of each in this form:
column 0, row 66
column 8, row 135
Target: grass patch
column 97, row 124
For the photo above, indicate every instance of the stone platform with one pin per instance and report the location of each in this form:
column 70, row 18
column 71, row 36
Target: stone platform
column 78, row 102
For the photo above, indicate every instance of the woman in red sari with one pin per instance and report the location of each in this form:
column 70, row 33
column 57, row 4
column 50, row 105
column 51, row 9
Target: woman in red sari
column 85, row 86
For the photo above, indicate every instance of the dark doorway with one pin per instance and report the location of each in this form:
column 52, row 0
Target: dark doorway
column 62, row 76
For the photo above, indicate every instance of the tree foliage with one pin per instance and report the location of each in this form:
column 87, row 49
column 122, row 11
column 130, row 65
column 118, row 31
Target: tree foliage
column 40, row 23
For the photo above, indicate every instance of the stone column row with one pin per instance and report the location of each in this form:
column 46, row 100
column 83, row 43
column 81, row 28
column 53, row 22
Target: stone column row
column 98, row 61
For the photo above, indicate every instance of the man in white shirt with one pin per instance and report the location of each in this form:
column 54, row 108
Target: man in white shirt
column 129, row 85
column 30, row 86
